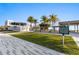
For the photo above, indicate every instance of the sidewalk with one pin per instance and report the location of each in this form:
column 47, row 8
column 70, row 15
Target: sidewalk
column 10, row 45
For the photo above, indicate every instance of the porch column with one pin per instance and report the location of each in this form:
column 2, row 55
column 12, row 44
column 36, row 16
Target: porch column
column 77, row 27
column 74, row 28
column 54, row 29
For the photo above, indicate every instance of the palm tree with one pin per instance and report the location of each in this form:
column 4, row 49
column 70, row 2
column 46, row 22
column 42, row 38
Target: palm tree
column 44, row 25
column 44, row 19
column 35, row 22
column 53, row 18
column 35, row 25
column 31, row 20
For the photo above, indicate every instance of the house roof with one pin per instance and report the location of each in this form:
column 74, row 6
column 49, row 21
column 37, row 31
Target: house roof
column 69, row 22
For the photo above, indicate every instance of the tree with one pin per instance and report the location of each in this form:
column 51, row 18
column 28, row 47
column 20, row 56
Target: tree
column 35, row 25
column 44, row 25
column 31, row 20
column 44, row 19
column 53, row 18
column 2, row 28
column 35, row 22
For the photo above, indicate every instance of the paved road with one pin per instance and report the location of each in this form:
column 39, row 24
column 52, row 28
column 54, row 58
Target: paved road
column 75, row 36
column 10, row 45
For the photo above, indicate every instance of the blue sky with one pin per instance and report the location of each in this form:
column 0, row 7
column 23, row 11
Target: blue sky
column 20, row 12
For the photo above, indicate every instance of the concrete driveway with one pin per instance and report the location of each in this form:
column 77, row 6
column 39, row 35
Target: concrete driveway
column 10, row 45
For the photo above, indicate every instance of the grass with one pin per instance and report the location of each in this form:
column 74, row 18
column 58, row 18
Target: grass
column 51, row 41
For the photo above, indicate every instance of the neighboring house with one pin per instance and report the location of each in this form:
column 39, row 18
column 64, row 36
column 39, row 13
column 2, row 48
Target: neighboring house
column 55, row 24
column 16, row 26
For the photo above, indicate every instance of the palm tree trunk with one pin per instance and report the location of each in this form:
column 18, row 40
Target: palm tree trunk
column 53, row 27
column 30, row 26
column 35, row 26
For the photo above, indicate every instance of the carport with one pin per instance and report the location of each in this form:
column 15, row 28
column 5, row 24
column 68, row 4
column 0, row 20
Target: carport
column 69, row 23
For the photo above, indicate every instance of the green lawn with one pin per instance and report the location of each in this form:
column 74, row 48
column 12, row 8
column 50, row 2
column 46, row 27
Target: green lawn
column 51, row 41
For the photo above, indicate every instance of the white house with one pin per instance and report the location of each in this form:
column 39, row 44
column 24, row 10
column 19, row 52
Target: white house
column 17, row 26
column 55, row 24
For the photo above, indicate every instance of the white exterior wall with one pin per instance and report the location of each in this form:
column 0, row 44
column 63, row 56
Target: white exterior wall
column 13, row 28
column 17, row 27
column 8, row 22
column 55, row 24
column 23, row 28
